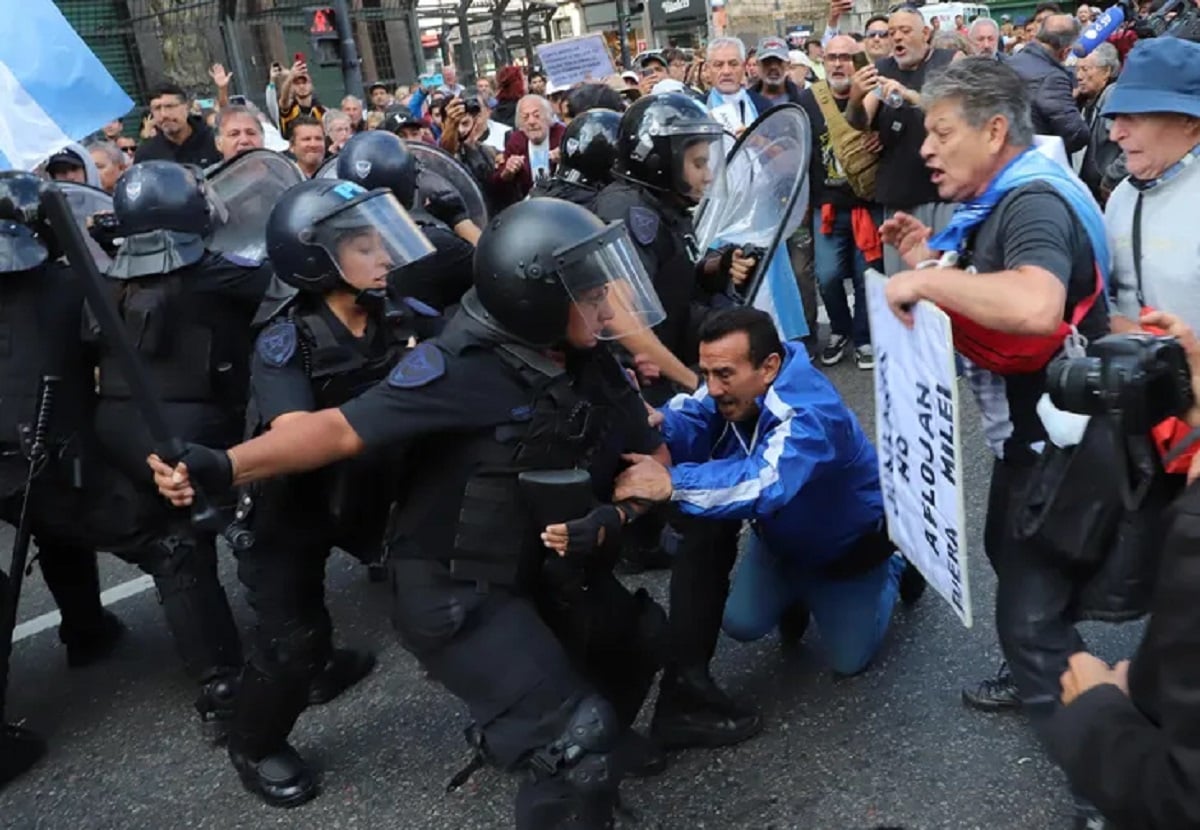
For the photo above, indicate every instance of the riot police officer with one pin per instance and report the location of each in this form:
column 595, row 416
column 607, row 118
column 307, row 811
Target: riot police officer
column 589, row 149
column 516, row 384
column 669, row 152
column 669, row 149
column 45, row 366
column 378, row 159
column 188, row 312
column 339, row 334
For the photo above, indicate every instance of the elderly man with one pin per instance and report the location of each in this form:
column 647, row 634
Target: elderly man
column 1049, row 82
column 733, row 105
column 338, row 129
column 1024, row 259
column 1151, row 216
column 886, row 98
column 353, row 107
column 1103, row 165
column 984, row 35
column 110, row 162
column 238, row 130
column 531, row 150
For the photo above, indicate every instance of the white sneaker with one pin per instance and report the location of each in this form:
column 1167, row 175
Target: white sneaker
column 864, row 357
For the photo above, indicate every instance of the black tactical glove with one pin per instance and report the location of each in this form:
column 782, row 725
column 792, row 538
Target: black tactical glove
column 105, row 230
column 447, row 206
column 583, row 535
column 209, row 470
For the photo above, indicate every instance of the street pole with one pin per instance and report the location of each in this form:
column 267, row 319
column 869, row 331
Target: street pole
column 778, row 19
column 351, row 64
column 623, row 32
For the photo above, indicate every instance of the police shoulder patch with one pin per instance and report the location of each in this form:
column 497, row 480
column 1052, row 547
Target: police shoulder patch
column 419, row 367
column 277, row 343
column 643, row 224
column 421, row 308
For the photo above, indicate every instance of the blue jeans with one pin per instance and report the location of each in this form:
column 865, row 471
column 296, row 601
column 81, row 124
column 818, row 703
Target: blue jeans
column 836, row 258
column 851, row 615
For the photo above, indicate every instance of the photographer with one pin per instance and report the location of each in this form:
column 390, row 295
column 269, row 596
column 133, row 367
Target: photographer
column 1128, row 736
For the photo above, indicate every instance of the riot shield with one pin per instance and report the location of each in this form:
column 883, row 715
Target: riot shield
column 328, row 170
column 761, row 198
column 85, row 202
column 440, row 171
column 242, row 192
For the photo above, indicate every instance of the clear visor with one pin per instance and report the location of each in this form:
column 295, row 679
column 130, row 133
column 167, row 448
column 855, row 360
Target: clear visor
column 699, row 163
column 241, row 194
column 609, row 285
column 369, row 238
column 19, row 248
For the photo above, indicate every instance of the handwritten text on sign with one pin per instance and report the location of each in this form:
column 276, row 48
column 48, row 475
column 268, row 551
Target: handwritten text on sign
column 917, row 433
column 578, row 59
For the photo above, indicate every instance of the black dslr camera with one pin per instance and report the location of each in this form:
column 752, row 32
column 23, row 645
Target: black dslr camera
column 1142, row 378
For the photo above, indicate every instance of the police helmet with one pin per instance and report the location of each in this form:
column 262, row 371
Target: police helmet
column 161, row 196
column 312, row 224
column 538, row 257
column 25, row 238
column 377, row 159
column 589, row 147
column 655, row 133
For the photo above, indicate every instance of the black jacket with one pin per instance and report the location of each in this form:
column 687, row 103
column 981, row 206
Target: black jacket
column 1137, row 758
column 764, row 103
column 1049, row 84
column 200, row 148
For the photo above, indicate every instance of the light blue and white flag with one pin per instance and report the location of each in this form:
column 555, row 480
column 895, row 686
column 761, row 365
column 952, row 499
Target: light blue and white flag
column 53, row 89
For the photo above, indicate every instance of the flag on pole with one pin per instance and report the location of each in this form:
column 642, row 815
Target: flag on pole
column 53, row 89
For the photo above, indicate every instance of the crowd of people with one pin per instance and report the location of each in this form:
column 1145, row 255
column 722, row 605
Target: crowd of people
column 581, row 329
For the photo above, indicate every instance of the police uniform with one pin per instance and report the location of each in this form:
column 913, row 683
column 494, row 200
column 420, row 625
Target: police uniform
column 557, row 187
column 440, row 279
column 305, row 359
column 470, row 575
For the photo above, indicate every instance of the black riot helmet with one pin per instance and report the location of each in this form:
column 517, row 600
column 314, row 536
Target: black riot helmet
column 322, row 233
column 25, row 238
column 656, row 134
column 540, row 256
column 589, row 147
column 161, row 196
column 376, row 159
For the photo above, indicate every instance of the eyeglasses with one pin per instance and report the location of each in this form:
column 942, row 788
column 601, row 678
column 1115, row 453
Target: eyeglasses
column 128, row 150
column 834, row 57
column 878, row 34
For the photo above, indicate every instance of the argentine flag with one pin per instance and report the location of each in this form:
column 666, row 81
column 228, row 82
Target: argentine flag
column 53, row 90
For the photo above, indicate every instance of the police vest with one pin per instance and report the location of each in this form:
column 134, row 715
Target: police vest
column 194, row 347
column 468, row 512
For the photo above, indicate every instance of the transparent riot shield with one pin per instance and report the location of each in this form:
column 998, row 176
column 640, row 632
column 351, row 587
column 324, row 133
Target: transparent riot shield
column 243, row 191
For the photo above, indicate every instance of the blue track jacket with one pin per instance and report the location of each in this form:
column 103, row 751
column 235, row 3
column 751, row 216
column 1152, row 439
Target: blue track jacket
column 807, row 473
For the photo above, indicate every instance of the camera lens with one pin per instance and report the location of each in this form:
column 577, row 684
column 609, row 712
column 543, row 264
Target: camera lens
column 1075, row 384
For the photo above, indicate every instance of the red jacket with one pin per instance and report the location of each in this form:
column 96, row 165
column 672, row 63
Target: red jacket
column 517, row 144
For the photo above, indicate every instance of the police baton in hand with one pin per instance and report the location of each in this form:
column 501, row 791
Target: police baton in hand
column 168, row 446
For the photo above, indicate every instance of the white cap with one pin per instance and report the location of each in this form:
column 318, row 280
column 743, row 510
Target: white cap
column 797, row 58
column 668, row 85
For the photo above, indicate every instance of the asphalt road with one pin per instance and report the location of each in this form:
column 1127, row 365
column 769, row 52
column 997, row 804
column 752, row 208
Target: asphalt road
column 893, row 746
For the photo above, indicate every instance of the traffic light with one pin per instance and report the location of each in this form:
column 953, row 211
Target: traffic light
column 322, row 32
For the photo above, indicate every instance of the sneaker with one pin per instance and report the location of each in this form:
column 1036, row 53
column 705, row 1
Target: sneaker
column 835, row 349
column 996, row 694
column 864, row 357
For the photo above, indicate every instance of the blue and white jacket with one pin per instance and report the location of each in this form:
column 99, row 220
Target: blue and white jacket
column 807, row 474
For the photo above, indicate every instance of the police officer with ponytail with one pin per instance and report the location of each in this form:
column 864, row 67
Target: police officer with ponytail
column 337, row 335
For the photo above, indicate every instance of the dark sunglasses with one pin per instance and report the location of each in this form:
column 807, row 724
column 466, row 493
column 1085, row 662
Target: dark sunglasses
column 878, row 35
column 128, row 150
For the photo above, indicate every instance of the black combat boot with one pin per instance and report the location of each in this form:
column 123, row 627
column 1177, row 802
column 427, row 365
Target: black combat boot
column 20, row 749
column 217, row 704
column 268, row 766
column 87, row 645
column 345, row 668
column 693, row 712
column 996, row 694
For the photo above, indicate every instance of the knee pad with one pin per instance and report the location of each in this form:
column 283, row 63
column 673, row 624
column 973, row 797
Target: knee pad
column 580, row 755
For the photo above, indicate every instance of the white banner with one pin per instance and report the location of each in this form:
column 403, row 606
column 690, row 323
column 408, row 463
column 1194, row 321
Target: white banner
column 576, row 60
column 918, row 439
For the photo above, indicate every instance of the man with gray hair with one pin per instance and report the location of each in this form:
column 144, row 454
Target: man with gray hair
column 730, row 102
column 238, row 129
column 531, row 150
column 353, row 107
column 984, row 35
column 1025, row 254
column 1049, row 82
column 1103, row 164
column 110, row 161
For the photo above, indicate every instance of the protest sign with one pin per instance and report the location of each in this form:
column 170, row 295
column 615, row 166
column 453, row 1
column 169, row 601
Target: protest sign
column 575, row 60
column 918, row 440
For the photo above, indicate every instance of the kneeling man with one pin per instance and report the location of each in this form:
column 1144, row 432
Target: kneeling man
column 768, row 439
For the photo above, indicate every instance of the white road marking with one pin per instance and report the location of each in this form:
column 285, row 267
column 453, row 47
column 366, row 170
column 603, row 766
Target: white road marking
column 110, row 597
